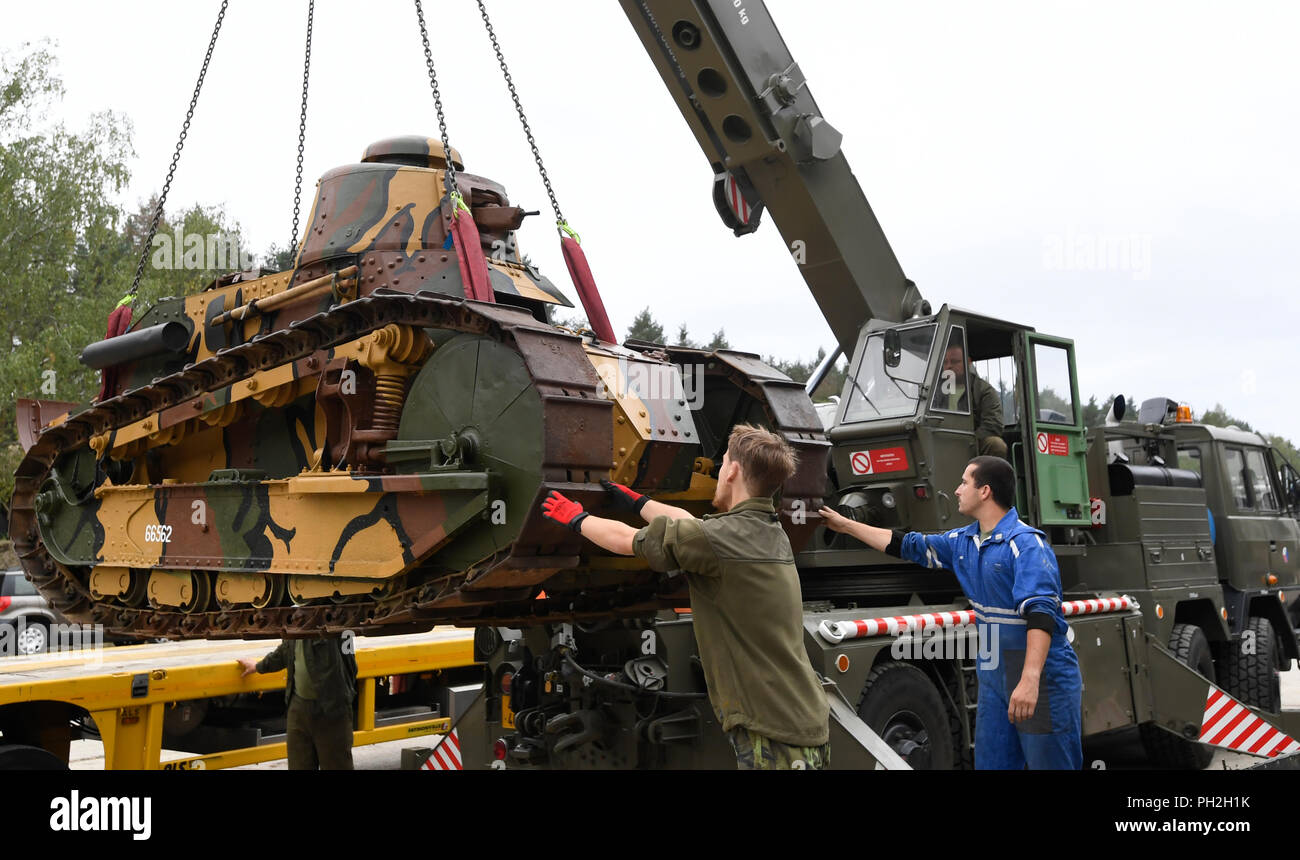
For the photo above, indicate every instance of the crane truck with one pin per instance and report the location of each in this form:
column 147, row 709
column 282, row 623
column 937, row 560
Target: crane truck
column 1176, row 541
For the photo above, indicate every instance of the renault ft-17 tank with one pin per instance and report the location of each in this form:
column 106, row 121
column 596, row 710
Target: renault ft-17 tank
column 354, row 444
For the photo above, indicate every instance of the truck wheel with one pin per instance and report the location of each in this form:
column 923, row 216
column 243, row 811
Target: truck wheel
column 900, row 704
column 1252, row 677
column 20, row 757
column 1166, row 750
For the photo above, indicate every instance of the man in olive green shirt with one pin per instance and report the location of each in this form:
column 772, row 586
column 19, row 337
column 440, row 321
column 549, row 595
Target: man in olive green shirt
column 319, row 689
column 745, row 599
column 960, row 390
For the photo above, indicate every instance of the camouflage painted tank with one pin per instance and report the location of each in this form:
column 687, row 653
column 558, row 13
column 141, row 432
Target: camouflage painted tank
column 355, row 445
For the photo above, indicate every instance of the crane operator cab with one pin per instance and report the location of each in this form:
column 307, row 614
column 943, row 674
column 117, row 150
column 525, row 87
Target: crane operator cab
column 924, row 396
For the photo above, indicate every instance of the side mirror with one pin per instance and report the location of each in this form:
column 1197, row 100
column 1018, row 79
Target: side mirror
column 1120, row 407
column 893, row 348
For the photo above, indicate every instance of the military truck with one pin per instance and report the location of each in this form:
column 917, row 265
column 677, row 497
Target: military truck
column 1175, row 540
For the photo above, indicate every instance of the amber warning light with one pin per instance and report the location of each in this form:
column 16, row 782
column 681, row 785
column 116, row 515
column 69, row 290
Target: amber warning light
column 1184, row 415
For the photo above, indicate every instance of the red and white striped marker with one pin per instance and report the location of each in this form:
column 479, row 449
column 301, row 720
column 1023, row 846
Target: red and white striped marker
column 446, row 755
column 736, row 199
column 837, row 631
column 1100, row 605
column 1229, row 724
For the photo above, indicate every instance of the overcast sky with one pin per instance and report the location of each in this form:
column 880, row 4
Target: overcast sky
column 998, row 143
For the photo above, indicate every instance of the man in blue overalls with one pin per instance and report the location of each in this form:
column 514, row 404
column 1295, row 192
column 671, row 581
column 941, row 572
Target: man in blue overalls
column 1029, row 712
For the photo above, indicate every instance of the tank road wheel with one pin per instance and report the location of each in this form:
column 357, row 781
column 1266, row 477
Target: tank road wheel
column 1250, row 667
column 137, row 592
column 1166, row 750
column 901, row 704
column 188, row 591
column 274, row 594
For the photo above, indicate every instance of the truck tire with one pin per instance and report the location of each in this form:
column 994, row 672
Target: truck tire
column 901, row 704
column 20, row 757
column 1166, row 750
column 1252, row 678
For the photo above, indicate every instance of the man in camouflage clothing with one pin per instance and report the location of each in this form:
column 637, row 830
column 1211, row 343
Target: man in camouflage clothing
column 319, row 689
column 745, row 599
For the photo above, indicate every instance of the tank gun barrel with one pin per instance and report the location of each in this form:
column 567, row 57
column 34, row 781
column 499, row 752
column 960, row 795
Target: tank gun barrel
column 135, row 345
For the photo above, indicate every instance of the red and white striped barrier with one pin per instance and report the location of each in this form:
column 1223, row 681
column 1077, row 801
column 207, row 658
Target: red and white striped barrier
column 837, row 631
column 1100, row 605
column 1229, row 724
column 446, row 755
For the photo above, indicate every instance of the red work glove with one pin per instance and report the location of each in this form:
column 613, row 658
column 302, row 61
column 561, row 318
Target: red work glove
column 566, row 512
column 623, row 497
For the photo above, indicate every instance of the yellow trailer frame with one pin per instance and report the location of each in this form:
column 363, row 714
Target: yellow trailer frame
column 126, row 689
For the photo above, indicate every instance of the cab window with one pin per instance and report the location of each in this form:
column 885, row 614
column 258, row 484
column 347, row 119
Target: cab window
column 1189, row 458
column 1001, row 374
column 878, row 389
column 1234, row 461
column 1055, row 393
column 952, row 388
column 1261, row 488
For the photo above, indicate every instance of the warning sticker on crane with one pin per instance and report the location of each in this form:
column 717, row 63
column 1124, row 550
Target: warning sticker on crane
column 1054, row 444
column 736, row 200
column 878, row 460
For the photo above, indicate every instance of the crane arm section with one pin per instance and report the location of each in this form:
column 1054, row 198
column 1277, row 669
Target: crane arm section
column 751, row 111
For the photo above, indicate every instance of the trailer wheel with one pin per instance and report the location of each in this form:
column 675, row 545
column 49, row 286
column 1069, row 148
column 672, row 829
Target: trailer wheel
column 1166, row 750
column 1252, row 677
column 900, row 704
column 21, row 757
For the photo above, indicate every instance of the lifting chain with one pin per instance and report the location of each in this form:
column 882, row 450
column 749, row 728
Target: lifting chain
column 450, row 178
column 302, row 130
column 523, row 120
column 176, row 156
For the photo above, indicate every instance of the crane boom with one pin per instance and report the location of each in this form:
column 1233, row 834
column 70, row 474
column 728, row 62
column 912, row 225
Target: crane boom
column 748, row 104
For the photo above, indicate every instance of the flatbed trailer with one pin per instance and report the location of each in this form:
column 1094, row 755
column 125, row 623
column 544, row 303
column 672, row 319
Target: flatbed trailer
column 128, row 690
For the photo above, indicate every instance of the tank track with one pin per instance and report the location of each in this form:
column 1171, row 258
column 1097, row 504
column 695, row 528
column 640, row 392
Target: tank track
column 415, row 607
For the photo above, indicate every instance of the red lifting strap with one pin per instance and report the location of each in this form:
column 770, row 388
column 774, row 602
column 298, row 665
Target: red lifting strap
column 588, row 293
column 118, row 322
column 469, row 254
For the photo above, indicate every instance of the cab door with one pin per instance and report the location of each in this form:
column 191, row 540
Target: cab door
column 1055, row 446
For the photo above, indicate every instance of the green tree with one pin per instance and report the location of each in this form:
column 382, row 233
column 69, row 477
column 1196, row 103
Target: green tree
column 802, row 371
column 1219, row 417
column 577, row 322
column 719, row 340
column 56, row 214
column 644, row 327
column 278, row 259
column 69, row 252
column 684, row 339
